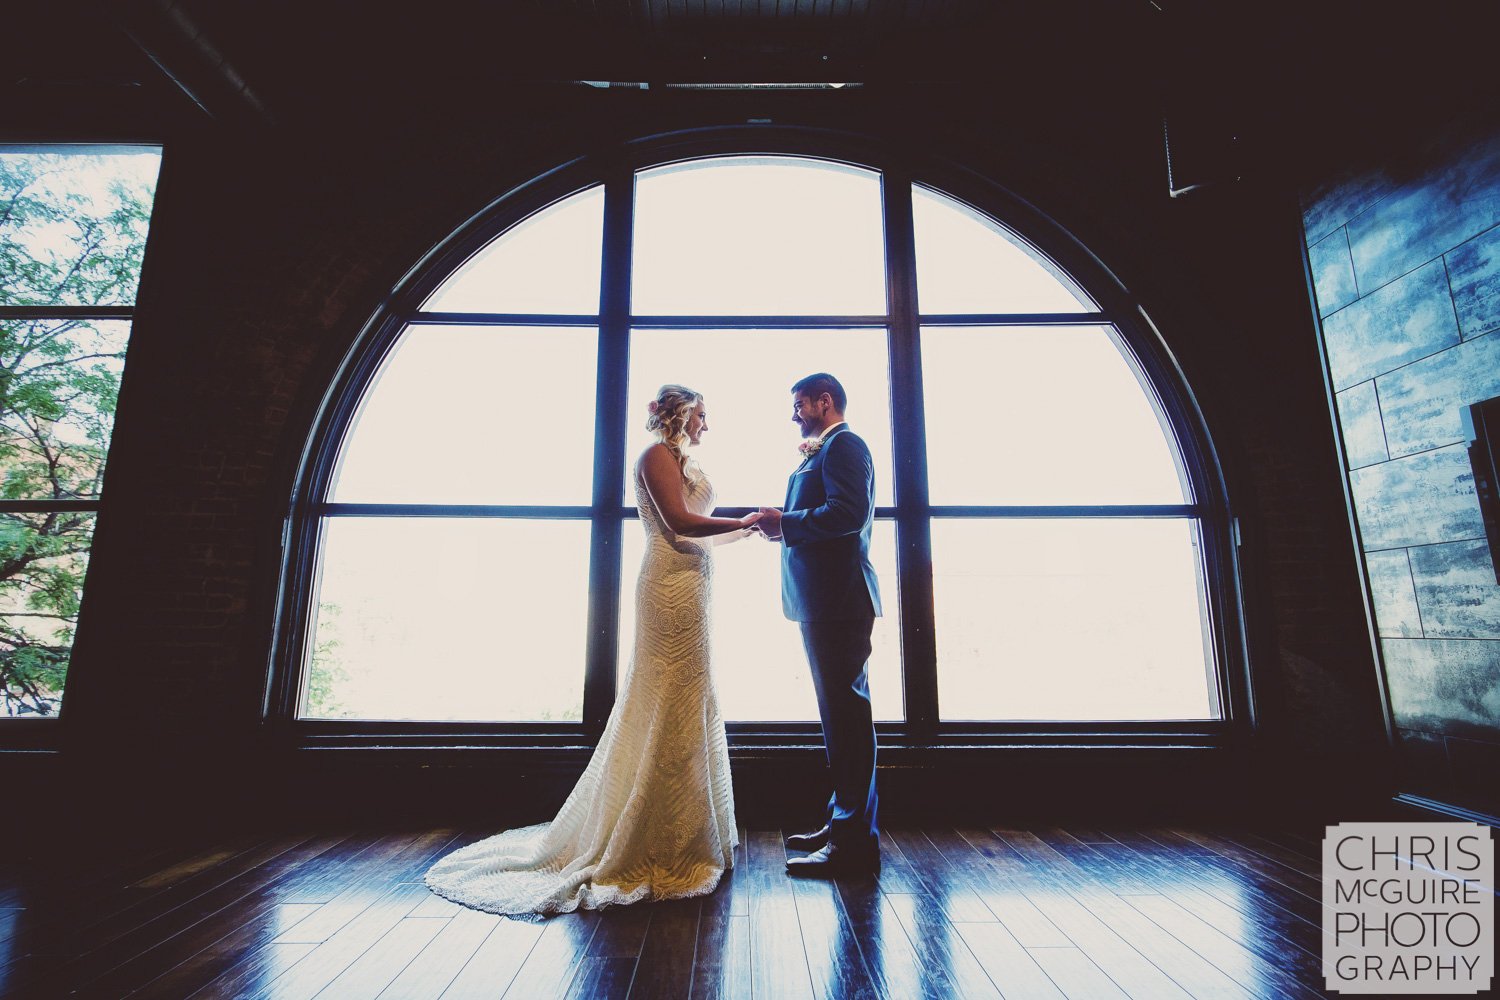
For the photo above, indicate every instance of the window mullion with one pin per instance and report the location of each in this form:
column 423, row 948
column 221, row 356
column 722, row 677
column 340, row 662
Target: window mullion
column 609, row 449
column 909, row 443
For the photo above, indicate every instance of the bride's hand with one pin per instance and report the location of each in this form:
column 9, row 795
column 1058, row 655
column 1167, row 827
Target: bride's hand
column 749, row 519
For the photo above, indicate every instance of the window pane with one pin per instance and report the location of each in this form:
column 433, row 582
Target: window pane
column 457, row 414
column 968, row 263
column 1051, row 415
column 74, row 229
column 758, row 236
column 45, row 556
column 746, row 377
column 57, row 405
column 1070, row 619
column 548, row 263
column 473, row 619
column 759, row 666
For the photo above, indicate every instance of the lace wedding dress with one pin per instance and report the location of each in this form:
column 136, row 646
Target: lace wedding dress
column 652, row 817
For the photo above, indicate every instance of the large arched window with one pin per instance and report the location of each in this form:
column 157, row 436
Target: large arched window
column 1044, row 537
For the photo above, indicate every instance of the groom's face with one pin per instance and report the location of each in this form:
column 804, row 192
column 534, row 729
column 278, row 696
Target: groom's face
column 810, row 413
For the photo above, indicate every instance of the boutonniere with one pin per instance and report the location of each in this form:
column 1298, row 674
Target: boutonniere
column 810, row 448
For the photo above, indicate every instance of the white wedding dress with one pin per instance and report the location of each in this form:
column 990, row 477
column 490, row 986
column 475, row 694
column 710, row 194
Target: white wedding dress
column 652, row 817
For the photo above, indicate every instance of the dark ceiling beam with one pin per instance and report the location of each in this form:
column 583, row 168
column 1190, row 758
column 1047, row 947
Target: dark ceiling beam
column 177, row 44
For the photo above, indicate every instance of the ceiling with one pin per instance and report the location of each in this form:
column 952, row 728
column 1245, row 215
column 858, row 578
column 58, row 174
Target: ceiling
column 1288, row 75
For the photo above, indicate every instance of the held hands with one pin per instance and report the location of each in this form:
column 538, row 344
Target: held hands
column 768, row 523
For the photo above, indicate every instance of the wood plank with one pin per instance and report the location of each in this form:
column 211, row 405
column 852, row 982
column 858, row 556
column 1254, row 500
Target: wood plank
column 665, row 971
column 621, row 931
column 939, row 946
column 835, row 960
column 219, row 914
column 1000, row 893
column 246, row 977
column 778, row 961
column 721, row 962
column 1117, row 878
column 344, row 948
column 721, row 965
column 1190, row 970
column 1284, row 941
column 940, row 878
column 1254, row 971
column 1124, row 965
column 379, row 966
column 554, row 961
column 199, row 955
column 493, row 966
column 602, row 978
column 434, row 970
column 115, row 965
column 889, row 955
column 362, row 885
column 897, row 874
column 1077, row 977
column 1009, row 964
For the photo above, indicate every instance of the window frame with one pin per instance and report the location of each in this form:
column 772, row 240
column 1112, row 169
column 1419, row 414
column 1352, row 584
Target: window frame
column 922, row 729
column 45, row 734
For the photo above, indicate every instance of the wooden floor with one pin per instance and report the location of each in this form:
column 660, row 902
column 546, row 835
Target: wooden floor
column 1022, row 913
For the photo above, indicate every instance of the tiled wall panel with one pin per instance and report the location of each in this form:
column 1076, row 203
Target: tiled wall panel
column 1405, row 262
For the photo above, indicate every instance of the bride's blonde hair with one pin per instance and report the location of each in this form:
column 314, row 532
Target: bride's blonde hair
column 667, row 419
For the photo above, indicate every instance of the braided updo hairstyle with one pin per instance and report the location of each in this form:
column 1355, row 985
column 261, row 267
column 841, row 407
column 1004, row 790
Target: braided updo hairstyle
column 667, row 419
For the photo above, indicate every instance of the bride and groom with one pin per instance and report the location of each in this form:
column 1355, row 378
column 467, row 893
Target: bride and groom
column 652, row 816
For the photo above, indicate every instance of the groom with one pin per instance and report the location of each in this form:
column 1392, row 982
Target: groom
column 829, row 587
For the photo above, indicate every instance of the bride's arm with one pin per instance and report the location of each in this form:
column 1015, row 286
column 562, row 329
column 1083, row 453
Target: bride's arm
column 663, row 478
column 731, row 536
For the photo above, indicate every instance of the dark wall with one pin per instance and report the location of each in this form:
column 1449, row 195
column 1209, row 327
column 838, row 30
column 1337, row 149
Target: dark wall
column 1405, row 258
column 269, row 252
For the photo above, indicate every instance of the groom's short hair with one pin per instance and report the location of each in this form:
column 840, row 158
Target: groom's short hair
column 817, row 384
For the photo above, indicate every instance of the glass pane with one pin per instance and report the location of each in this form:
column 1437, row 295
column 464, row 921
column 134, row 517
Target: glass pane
column 44, row 558
column 57, row 405
column 457, row 414
column 74, row 228
column 472, row 619
column 1070, row 619
column 1051, row 415
column 758, row 236
column 968, row 263
column 746, row 377
column 759, row 666
column 547, row 263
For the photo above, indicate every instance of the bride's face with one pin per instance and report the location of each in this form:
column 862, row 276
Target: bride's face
column 697, row 424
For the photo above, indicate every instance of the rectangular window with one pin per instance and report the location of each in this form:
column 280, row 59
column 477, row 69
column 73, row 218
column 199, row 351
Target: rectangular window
column 73, row 224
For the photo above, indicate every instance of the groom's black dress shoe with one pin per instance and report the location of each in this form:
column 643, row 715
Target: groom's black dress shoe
column 808, row 841
column 831, row 861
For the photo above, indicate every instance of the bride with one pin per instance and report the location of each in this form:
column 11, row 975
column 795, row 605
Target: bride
column 652, row 817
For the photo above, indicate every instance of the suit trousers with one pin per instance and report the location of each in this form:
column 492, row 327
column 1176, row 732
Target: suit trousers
column 838, row 653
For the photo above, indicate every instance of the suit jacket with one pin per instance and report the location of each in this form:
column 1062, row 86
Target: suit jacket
column 825, row 553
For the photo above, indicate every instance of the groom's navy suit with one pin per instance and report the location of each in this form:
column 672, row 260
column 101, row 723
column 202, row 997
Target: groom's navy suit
column 829, row 586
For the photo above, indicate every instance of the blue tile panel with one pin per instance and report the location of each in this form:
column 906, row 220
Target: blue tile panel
column 1396, row 325
column 1421, row 404
column 1344, row 198
column 1447, row 204
column 1474, row 274
column 1359, row 417
column 1393, row 595
column 1457, row 592
column 1417, row 500
column 1448, row 686
column 1333, row 273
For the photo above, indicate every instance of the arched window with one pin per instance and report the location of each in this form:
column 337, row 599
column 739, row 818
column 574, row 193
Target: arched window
column 1048, row 536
